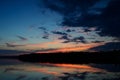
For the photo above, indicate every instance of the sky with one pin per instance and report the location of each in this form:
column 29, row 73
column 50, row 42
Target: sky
column 59, row 25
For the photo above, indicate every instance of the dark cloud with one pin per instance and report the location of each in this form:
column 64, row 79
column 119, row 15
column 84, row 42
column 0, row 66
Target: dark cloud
column 80, row 39
column 68, row 30
column 42, row 28
column 85, row 20
column 111, row 19
column 64, row 37
column 88, row 13
column 87, row 30
column 59, row 33
column 65, row 41
column 97, row 41
column 69, row 7
column 74, row 12
column 13, row 45
column 45, row 35
column 107, row 47
column 22, row 38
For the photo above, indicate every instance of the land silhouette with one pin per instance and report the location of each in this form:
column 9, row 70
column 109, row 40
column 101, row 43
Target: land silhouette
column 71, row 57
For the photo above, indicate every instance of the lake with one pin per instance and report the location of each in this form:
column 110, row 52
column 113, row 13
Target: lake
column 11, row 69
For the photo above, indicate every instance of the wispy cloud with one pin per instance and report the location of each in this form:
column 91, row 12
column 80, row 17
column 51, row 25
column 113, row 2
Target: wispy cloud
column 42, row 28
column 13, row 45
column 59, row 33
column 22, row 38
column 97, row 41
column 32, row 27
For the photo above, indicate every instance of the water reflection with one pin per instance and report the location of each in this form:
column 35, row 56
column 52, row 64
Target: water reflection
column 47, row 71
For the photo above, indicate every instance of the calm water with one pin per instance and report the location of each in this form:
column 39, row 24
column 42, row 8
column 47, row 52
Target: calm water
column 16, row 70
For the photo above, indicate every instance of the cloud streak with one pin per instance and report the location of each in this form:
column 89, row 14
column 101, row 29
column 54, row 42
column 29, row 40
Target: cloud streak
column 42, row 28
column 22, row 38
column 13, row 45
column 59, row 33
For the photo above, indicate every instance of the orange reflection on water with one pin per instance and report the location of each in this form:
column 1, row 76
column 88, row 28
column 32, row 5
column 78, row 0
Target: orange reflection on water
column 57, row 69
column 74, row 67
column 44, row 70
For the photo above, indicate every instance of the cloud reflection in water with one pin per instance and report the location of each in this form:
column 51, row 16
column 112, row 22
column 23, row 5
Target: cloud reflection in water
column 47, row 71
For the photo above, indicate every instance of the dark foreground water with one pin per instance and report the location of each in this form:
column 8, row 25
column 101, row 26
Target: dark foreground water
column 16, row 70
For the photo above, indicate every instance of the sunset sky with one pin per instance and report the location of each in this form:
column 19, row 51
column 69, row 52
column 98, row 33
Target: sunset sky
column 59, row 25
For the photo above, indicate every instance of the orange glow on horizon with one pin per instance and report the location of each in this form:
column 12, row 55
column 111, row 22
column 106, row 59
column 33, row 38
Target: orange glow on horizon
column 56, row 46
column 84, row 47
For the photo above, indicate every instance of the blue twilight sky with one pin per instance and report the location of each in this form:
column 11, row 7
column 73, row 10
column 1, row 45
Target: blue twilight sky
column 48, row 25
